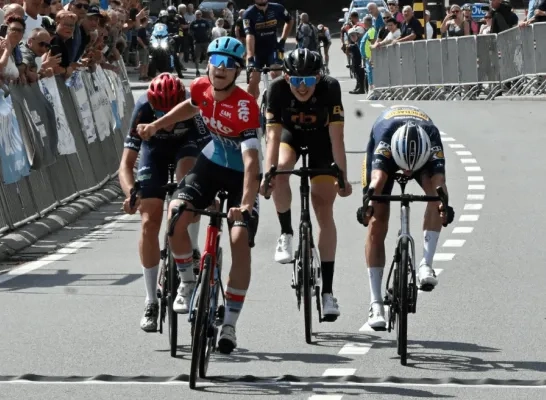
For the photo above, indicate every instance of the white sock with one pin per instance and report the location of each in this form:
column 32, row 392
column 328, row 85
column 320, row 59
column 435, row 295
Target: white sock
column 184, row 264
column 376, row 279
column 429, row 247
column 150, row 281
column 193, row 231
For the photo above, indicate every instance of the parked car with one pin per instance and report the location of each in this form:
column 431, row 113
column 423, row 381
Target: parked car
column 216, row 7
column 361, row 7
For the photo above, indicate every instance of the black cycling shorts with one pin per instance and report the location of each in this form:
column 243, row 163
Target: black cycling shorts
column 267, row 59
column 154, row 162
column 200, row 186
column 319, row 150
column 324, row 40
column 429, row 169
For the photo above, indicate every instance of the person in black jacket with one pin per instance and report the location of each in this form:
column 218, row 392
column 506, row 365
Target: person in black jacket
column 503, row 17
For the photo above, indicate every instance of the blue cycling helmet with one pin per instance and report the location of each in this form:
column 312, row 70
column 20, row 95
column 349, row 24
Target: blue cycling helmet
column 227, row 46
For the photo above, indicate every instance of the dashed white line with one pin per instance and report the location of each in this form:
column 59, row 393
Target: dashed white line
column 475, row 196
column 356, row 348
column 473, row 206
column 448, row 139
column 377, row 105
column 475, row 179
column 456, row 145
column 454, row 243
column 443, row 256
column 472, row 168
column 476, row 187
column 468, row 160
column 463, row 229
column 469, row 218
column 326, row 397
column 339, row 371
column 463, row 153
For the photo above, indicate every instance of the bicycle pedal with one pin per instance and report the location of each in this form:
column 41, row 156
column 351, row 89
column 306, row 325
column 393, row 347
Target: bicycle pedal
column 427, row 288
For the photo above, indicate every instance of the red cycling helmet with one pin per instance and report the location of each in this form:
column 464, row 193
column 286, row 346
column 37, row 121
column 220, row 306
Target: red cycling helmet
column 165, row 92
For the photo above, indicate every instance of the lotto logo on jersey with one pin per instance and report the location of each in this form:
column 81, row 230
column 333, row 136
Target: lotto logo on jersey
column 217, row 126
column 243, row 112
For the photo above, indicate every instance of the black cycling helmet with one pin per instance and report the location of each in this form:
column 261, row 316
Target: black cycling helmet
column 171, row 10
column 302, row 62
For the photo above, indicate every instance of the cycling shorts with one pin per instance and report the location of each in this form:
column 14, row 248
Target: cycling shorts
column 319, row 151
column 154, row 162
column 324, row 40
column 429, row 169
column 267, row 59
column 200, row 186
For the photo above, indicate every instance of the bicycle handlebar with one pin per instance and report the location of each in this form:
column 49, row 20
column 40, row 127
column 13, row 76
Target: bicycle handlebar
column 179, row 210
column 306, row 172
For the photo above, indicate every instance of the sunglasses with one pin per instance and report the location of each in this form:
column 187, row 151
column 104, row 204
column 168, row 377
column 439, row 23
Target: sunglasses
column 44, row 44
column 306, row 80
column 80, row 6
column 220, row 60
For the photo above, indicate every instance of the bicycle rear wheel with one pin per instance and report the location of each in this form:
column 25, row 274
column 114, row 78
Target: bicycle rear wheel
column 402, row 326
column 172, row 287
column 263, row 107
column 200, row 322
column 307, row 280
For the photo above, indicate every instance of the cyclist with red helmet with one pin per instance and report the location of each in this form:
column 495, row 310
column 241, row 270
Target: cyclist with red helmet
column 231, row 161
column 178, row 144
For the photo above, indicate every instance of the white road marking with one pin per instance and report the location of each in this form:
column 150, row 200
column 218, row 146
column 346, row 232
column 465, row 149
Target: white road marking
column 475, row 196
column 476, row 187
column 463, row 153
column 448, row 139
column 443, row 133
column 339, row 371
column 454, row 243
column 356, row 348
column 469, row 218
column 443, row 256
column 70, row 248
column 463, row 229
column 475, row 179
column 377, row 105
column 472, row 168
column 468, row 160
column 473, row 207
column 456, row 145
column 326, row 397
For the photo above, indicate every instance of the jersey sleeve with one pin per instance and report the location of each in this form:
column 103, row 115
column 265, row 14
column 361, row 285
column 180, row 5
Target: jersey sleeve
column 336, row 114
column 197, row 90
column 139, row 116
column 251, row 123
column 284, row 14
column 382, row 154
column 273, row 113
column 248, row 22
column 437, row 159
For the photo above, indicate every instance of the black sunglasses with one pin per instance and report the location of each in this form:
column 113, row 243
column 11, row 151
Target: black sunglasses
column 45, row 44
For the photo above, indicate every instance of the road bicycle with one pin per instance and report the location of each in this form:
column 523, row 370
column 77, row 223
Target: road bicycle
column 401, row 295
column 167, row 280
column 207, row 312
column 324, row 71
column 263, row 104
column 306, row 273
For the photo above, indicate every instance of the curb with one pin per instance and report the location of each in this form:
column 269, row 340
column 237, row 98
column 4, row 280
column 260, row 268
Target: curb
column 27, row 235
column 521, row 98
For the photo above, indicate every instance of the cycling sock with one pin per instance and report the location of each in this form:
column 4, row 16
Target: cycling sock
column 184, row 264
column 285, row 219
column 429, row 247
column 150, row 281
column 193, row 231
column 234, row 303
column 376, row 278
column 327, row 268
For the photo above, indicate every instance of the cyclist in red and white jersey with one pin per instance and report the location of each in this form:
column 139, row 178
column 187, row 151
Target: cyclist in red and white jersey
column 230, row 162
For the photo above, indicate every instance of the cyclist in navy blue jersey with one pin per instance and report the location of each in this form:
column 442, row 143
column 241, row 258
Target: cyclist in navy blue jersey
column 178, row 144
column 260, row 22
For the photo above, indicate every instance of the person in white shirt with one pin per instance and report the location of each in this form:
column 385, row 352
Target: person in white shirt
column 32, row 17
column 429, row 28
column 218, row 30
column 394, row 33
column 189, row 16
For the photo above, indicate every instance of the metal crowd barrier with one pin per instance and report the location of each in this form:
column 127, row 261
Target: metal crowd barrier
column 60, row 140
column 480, row 67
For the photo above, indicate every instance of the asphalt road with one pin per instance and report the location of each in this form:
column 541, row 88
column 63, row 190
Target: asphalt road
column 76, row 312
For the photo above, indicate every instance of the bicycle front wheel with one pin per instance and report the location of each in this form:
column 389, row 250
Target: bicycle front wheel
column 402, row 326
column 307, row 280
column 172, row 287
column 263, row 108
column 200, row 322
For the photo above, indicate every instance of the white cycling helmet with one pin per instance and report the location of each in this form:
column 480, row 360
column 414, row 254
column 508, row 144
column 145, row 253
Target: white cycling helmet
column 410, row 147
column 357, row 29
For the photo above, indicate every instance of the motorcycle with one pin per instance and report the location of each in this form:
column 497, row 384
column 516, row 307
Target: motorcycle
column 162, row 52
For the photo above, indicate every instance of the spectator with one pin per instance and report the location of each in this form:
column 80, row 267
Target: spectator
column 33, row 19
column 15, row 10
column 485, row 29
column 200, row 31
column 377, row 19
column 533, row 5
column 190, row 15
column 454, row 24
column 411, row 27
column 539, row 13
column 395, row 11
column 55, row 7
column 354, row 35
column 307, row 34
column 218, row 30
column 239, row 28
column 2, row 4
column 89, row 32
column 143, row 40
column 61, row 42
column 467, row 16
column 33, row 50
column 227, row 13
column 79, row 41
column 366, row 42
column 383, row 32
column 48, row 22
column 16, row 29
column 430, row 30
column 394, row 33
column 503, row 17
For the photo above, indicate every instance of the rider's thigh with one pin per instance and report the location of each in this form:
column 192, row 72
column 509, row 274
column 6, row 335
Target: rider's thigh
column 151, row 212
column 323, row 194
column 184, row 166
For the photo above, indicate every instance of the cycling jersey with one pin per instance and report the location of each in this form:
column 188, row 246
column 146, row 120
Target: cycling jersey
column 325, row 35
column 186, row 139
column 306, row 123
column 233, row 124
column 379, row 154
column 263, row 25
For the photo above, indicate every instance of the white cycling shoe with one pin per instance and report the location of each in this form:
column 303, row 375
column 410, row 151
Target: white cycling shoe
column 376, row 316
column 427, row 277
column 182, row 302
column 330, row 308
column 284, row 253
column 228, row 339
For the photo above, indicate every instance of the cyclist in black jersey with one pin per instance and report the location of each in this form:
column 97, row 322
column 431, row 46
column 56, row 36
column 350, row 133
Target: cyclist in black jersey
column 305, row 109
column 179, row 145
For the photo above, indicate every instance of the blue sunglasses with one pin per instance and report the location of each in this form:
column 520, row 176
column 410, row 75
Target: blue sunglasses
column 218, row 60
column 306, row 80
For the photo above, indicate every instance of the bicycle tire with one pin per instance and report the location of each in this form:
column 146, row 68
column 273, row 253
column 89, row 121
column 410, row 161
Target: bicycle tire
column 162, row 295
column 200, row 321
column 402, row 326
column 172, row 286
column 211, row 332
column 307, row 280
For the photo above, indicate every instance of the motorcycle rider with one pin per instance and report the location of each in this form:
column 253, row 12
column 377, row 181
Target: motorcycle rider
column 174, row 27
column 161, row 26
